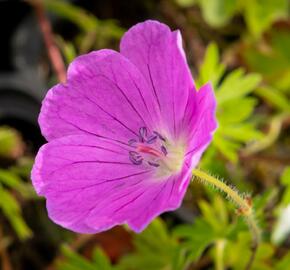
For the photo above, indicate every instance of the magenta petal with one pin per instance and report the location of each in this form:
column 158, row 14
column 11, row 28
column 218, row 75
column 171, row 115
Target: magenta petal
column 200, row 120
column 105, row 95
column 158, row 54
column 78, row 173
column 90, row 185
column 166, row 197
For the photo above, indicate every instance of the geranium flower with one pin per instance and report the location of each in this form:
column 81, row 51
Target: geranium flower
column 123, row 133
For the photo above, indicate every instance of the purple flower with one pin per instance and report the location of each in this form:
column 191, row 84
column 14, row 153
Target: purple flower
column 123, row 133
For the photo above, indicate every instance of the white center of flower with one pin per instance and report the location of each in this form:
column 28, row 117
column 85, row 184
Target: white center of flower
column 157, row 151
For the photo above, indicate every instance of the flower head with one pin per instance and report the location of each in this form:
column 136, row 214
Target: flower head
column 123, row 133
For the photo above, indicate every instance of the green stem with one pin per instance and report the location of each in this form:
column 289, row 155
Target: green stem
column 244, row 208
column 219, row 254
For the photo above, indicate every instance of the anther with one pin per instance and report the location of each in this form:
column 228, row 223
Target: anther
column 142, row 134
column 152, row 139
column 164, row 150
column 132, row 142
column 159, row 136
column 153, row 164
column 135, row 157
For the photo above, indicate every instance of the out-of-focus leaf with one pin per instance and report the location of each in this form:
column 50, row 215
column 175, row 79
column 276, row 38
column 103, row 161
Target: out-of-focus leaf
column 238, row 253
column 234, row 106
column 196, row 237
column 100, row 259
column 11, row 145
column 241, row 133
column 12, row 211
column 285, row 180
column 74, row 261
column 211, row 69
column 155, row 249
column 218, row 13
column 186, row 3
column 12, row 180
column 283, row 263
column 237, row 85
column 260, row 14
column 68, row 50
column 23, row 167
column 87, row 22
column 227, row 147
column 243, row 109
column 270, row 57
column 213, row 225
column 274, row 97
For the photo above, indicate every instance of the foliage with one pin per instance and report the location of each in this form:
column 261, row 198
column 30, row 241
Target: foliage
column 217, row 233
column 11, row 181
column 234, row 103
column 155, row 249
column 274, row 64
column 258, row 14
column 94, row 33
column 253, row 108
column 73, row 261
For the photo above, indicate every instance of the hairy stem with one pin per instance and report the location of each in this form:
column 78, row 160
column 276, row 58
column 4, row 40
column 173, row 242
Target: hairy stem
column 244, row 208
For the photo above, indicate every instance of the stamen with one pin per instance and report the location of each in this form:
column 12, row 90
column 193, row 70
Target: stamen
column 159, row 136
column 135, row 157
column 132, row 142
column 164, row 150
column 149, row 148
column 142, row 134
column 153, row 164
column 152, row 139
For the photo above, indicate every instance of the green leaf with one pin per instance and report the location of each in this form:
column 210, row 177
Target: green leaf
column 234, row 106
column 237, row 85
column 10, row 143
column 245, row 132
column 217, row 13
column 273, row 63
column 12, row 180
column 12, row 212
column 196, row 237
column 227, row 147
column 260, row 14
column 74, row 261
column 242, row 245
column 84, row 20
column 274, row 97
column 285, row 180
column 211, row 69
column 236, row 110
column 283, row 263
column 285, row 177
column 186, row 3
column 155, row 249
column 101, row 261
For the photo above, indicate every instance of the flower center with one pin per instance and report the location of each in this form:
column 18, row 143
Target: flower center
column 155, row 150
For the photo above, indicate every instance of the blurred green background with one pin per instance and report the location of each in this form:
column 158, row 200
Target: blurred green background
column 243, row 48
